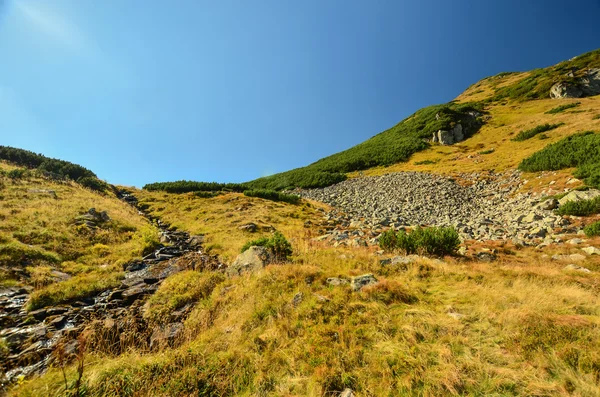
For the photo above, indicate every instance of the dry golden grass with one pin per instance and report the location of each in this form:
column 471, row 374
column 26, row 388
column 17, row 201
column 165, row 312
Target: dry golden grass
column 521, row 326
column 219, row 218
column 39, row 226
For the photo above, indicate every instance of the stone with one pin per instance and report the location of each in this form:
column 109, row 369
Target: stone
column 576, row 268
column 132, row 294
column 591, row 250
column 575, row 241
column 565, row 90
column 531, row 217
column 456, row 316
column 298, row 298
column 577, row 195
column 548, row 205
column 169, row 335
column 195, row 241
column 347, row 393
column 359, row 282
column 249, row 227
column 335, row 281
column 485, row 256
column 445, row 137
column 251, row 260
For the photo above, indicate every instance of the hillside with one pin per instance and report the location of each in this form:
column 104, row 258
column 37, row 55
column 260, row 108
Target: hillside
column 457, row 253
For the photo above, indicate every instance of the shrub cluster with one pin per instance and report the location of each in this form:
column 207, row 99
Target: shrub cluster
column 580, row 150
column 592, row 229
column 191, row 186
column 277, row 243
column 580, row 208
column 527, row 134
column 29, row 159
column 430, row 240
column 562, row 108
column 273, row 195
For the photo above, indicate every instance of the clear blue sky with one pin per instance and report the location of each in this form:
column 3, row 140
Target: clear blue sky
column 146, row 90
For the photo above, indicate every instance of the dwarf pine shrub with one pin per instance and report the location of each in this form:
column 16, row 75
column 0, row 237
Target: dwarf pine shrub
column 437, row 241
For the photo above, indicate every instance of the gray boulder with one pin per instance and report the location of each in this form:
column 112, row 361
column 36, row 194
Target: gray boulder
column 359, row 282
column 587, row 85
column 251, row 260
column 577, row 195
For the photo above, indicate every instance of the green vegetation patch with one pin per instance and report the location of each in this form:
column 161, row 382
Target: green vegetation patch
column 32, row 160
column 78, row 287
column 389, row 147
column 179, row 290
column 580, row 208
column 592, row 229
column 280, row 246
column 273, row 195
column 191, row 186
column 528, row 134
column 580, row 150
column 562, row 108
column 430, row 240
column 14, row 253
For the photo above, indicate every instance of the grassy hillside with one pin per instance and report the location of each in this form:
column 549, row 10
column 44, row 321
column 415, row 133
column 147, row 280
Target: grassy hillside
column 42, row 245
column 520, row 326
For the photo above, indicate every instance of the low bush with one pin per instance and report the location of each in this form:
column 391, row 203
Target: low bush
column 93, row 183
column 562, row 108
column 192, row 186
column 430, row 240
column 580, row 208
column 528, row 134
column 580, row 150
column 273, row 195
column 280, row 246
column 593, row 229
column 17, row 173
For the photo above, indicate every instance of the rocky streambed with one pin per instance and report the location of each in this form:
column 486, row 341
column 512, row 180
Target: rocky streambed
column 31, row 337
column 481, row 206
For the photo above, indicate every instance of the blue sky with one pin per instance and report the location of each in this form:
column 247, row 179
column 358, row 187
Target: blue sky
column 146, row 90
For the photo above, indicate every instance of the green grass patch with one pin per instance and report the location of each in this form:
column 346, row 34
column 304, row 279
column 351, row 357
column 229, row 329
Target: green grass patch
column 562, row 108
column 179, row 290
column 592, row 229
column 273, row 195
column 489, row 151
column 528, row 134
column 78, row 287
column 427, row 162
column 580, row 150
column 280, row 246
column 17, row 254
column 580, row 208
column 430, row 240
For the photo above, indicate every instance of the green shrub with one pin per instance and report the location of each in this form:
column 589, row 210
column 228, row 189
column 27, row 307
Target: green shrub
column 562, row 108
column 426, row 162
column 17, row 173
column 592, row 229
column 93, row 183
column 277, row 243
column 580, row 208
column 273, row 195
column 596, row 117
column 527, row 134
column 489, row 151
column 580, row 150
column 29, row 159
column 430, row 240
column 191, row 186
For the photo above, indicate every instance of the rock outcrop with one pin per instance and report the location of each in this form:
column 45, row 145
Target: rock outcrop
column 450, row 137
column 587, row 85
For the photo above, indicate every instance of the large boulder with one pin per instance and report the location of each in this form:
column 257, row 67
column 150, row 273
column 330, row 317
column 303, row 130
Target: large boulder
column 251, row 260
column 577, row 195
column 450, row 137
